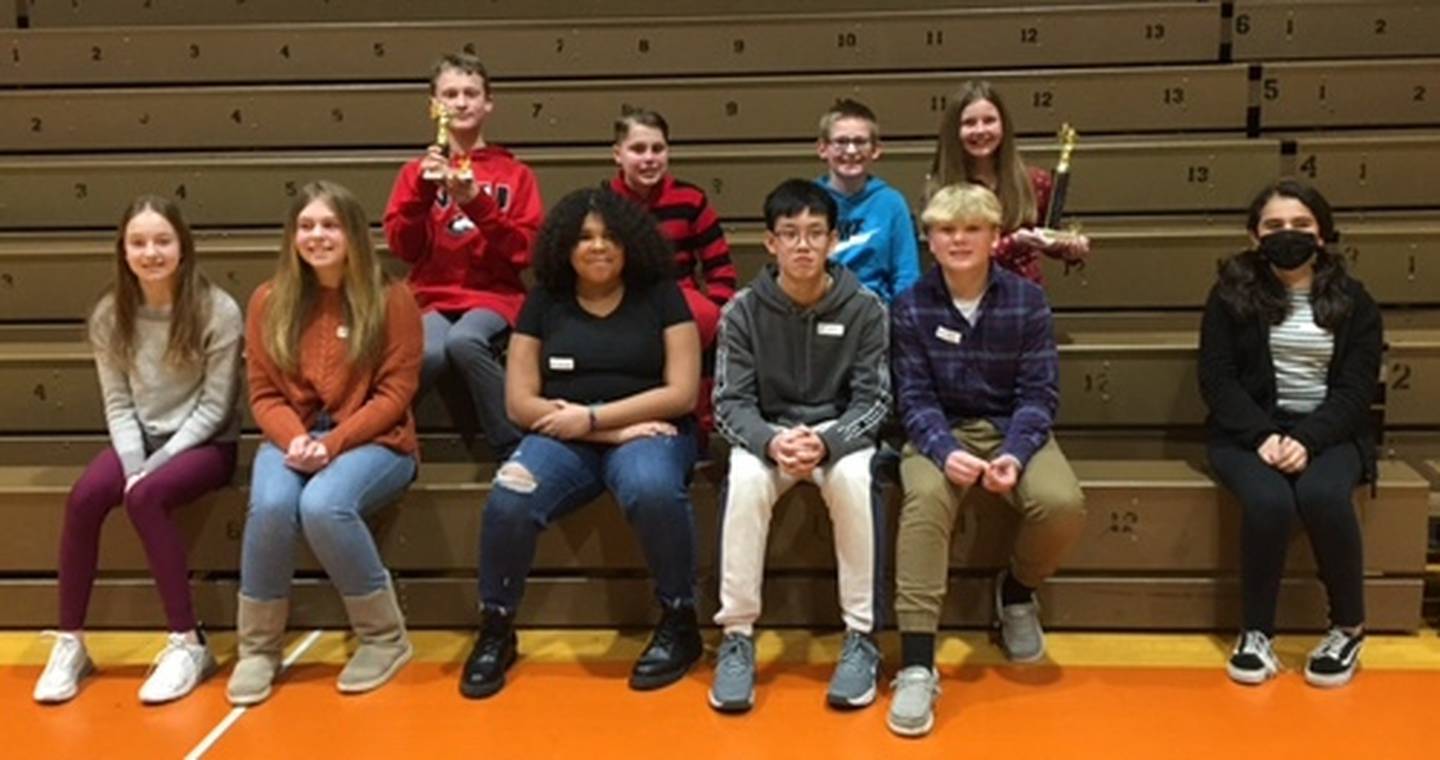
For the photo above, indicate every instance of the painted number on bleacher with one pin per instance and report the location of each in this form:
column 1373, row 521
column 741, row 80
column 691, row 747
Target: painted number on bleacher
column 193, row 51
column 82, row 190
column 337, row 115
column 738, row 46
column 290, row 189
column 285, row 51
column 1419, row 94
column 847, row 40
column 1380, row 26
column 15, row 54
column 1242, row 24
column 237, row 117
column 1174, row 96
column 559, row 44
column 937, row 103
column 1097, row 382
column 1352, row 253
column 182, row 192
column 535, row 109
column 934, row 37
column 378, row 49
column 643, row 45
column 1124, row 521
column 718, row 185
column 732, row 108
column 1154, row 31
column 36, row 124
column 1271, row 88
column 96, row 54
column 1401, row 374
column 1310, row 167
column 1043, row 99
column 1029, row 35
column 1197, row 174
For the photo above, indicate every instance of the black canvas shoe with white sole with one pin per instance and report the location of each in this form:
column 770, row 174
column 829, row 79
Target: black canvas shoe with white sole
column 1334, row 661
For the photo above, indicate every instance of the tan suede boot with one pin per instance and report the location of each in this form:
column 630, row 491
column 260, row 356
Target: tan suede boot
column 384, row 648
column 260, row 635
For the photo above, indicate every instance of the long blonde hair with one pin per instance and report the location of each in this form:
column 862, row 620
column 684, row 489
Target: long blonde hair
column 952, row 164
column 294, row 288
column 114, row 327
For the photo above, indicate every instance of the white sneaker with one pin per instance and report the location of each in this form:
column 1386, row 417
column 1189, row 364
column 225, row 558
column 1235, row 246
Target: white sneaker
column 178, row 669
column 68, row 664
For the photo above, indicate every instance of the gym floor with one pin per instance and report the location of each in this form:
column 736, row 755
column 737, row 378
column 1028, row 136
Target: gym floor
column 1097, row 695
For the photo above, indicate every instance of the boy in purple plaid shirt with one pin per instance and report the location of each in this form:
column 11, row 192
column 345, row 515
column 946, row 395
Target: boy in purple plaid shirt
column 977, row 380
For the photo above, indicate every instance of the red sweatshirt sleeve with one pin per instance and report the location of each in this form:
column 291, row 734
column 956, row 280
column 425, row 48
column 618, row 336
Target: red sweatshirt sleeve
column 407, row 215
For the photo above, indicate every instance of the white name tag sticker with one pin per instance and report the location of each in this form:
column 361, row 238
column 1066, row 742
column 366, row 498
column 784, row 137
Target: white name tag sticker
column 562, row 364
column 949, row 336
column 830, row 329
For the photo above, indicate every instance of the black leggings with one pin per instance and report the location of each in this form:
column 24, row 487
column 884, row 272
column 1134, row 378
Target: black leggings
column 1321, row 494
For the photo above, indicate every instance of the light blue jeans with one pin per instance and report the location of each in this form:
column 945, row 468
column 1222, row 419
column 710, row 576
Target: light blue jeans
column 329, row 506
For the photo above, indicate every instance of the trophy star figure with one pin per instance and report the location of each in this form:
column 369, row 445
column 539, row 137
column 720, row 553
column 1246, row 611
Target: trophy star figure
column 441, row 116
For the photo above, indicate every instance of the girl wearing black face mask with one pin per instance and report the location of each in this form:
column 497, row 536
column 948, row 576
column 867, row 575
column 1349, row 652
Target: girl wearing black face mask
column 1289, row 359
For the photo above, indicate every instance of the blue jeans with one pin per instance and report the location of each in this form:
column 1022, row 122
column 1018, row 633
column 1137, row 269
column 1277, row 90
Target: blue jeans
column 470, row 344
column 650, row 478
column 329, row 506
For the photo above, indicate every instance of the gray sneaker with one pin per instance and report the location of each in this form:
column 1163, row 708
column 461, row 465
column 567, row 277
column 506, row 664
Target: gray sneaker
column 853, row 684
column 1020, row 633
column 912, row 708
column 734, row 688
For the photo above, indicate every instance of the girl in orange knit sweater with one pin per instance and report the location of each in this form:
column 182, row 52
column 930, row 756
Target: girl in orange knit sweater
column 333, row 361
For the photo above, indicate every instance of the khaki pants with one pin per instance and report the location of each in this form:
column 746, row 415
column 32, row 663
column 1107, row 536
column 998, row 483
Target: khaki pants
column 1048, row 498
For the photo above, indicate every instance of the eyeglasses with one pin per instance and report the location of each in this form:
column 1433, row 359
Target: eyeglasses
column 842, row 144
column 817, row 238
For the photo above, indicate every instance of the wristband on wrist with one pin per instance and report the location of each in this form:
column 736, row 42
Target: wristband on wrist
column 594, row 423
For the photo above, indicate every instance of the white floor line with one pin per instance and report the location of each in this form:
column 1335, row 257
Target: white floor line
column 224, row 725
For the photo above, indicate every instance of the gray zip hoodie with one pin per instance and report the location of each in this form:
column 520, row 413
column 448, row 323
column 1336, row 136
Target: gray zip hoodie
column 778, row 365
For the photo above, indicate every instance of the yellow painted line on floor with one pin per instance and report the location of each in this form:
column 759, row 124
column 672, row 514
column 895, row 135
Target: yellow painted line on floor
column 568, row 646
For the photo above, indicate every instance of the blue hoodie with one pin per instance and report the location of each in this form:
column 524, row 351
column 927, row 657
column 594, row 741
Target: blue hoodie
column 877, row 237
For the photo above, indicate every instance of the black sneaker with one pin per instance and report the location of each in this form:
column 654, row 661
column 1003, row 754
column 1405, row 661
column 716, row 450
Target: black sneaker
column 673, row 648
column 1334, row 661
column 1253, row 662
column 493, row 654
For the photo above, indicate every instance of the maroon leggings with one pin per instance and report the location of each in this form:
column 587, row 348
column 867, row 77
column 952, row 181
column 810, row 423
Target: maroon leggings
column 101, row 488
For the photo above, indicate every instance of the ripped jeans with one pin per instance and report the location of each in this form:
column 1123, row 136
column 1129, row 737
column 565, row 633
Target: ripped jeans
column 650, row 479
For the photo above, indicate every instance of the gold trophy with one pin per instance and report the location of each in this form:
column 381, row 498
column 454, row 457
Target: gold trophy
column 1058, row 190
column 441, row 116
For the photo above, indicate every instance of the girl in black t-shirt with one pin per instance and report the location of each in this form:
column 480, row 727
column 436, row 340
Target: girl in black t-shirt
column 602, row 371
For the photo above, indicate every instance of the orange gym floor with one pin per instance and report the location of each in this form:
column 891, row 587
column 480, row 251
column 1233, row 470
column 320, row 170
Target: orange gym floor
column 1097, row 695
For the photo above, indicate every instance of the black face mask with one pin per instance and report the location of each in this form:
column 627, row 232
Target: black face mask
column 1288, row 249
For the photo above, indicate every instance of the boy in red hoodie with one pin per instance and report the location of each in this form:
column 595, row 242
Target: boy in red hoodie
column 466, row 236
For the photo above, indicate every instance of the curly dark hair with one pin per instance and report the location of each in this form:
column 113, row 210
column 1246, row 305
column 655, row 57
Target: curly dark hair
column 648, row 257
column 1249, row 287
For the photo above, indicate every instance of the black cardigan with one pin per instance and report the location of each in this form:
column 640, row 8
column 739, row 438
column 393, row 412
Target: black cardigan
column 1237, row 379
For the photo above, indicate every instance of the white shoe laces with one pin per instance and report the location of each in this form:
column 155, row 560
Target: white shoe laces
column 1333, row 645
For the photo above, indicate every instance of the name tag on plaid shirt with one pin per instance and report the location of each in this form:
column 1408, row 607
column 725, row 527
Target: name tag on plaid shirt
column 949, row 336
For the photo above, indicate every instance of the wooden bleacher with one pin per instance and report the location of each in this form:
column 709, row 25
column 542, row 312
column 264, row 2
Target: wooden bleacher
column 1185, row 109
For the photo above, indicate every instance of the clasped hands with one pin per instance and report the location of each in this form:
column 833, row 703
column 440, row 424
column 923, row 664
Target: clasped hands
column 1284, row 453
column 999, row 476
column 306, row 454
column 797, row 451
column 568, row 421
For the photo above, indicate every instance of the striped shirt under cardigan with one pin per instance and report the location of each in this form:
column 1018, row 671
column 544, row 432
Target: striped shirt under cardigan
column 690, row 224
column 1004, row 368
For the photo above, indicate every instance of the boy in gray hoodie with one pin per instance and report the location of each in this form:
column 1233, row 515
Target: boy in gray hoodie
column 802, row 386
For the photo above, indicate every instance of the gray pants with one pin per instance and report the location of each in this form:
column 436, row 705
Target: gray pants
column 469, row 343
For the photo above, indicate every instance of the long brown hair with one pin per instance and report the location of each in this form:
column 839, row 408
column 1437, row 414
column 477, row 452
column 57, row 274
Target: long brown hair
column 1250, row 287
column 953, row 165
column 113, row 326
column 294, row 288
